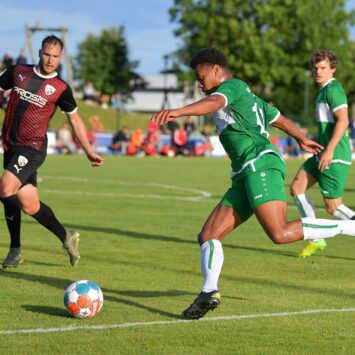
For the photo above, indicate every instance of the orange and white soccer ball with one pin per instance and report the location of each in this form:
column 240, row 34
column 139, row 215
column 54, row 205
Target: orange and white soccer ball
column 83, row 299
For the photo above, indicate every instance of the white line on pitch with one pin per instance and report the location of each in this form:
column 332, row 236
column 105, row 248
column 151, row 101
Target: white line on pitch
column 168, row 322
column 127, row 195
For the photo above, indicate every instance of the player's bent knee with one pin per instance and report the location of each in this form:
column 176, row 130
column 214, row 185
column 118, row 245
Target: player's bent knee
column 279, row 237
column 330, row 210
column 30, row 210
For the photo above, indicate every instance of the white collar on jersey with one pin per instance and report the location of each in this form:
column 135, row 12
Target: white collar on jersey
column 53, row 75
column 325, row 84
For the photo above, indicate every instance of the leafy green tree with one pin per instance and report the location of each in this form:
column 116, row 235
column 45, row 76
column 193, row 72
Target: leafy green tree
column 269, row 42
column 103, row 59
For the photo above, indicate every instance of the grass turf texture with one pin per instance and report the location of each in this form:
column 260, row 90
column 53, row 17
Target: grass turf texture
column 138, row 220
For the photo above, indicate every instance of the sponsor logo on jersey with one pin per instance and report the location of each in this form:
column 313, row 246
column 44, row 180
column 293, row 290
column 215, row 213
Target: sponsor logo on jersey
column 49, row 89
column 21, row 77
column 30, row 97
column 258, row 196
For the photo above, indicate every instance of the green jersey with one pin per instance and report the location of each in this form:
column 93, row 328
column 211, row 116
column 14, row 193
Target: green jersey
column 331, row 98
column 243, row 124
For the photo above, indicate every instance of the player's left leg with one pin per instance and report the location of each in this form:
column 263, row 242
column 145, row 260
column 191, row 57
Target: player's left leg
column 232, row 210
column 31, row 205
column 332, row 184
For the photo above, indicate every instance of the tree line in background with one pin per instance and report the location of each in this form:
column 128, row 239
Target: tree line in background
column 268, row 44
column 104, row 60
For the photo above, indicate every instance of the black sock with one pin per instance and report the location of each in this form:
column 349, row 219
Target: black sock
column 12, row 211
column 46, row 217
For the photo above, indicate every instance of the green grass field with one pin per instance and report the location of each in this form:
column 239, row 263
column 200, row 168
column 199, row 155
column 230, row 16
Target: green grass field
column 138, row 220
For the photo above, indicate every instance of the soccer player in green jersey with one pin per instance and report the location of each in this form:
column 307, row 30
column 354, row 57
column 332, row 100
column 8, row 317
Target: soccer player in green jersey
column 242, row 121
column 330, row 168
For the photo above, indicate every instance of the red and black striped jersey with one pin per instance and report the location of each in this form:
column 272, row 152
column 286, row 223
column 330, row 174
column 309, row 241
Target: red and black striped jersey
column 33, row 101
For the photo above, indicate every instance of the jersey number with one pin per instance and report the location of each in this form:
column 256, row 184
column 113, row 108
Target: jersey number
column 260, row 119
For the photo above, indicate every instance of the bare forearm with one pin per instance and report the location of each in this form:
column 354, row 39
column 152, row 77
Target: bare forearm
column 339, row 129
column 81, row 133
column 287, row 126
column 205, row 106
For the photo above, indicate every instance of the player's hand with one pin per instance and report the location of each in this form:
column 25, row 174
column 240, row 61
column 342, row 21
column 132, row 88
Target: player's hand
column 164, row 116
column 310, row 146
column 95, row 159
column 325, row 160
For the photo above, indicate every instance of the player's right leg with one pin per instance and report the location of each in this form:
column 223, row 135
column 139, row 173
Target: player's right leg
column 9, row 184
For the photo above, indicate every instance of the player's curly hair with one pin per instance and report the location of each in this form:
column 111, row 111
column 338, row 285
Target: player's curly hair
column 209, row 56
column 324, row 54
column 52, row 40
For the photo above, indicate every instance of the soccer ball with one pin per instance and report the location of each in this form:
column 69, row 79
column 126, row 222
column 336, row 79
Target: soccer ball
column 83, row 299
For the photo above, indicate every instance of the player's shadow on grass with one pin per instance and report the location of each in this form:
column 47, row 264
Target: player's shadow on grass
column 52, row 311
column 62, row 284
column 162, row 238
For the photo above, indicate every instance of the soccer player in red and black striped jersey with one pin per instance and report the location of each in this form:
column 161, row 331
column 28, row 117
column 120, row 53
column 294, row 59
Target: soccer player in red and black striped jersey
column 36, row 92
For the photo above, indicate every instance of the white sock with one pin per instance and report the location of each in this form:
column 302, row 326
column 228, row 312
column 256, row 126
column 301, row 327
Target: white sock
column 211, row 264
column 343, row 212
column 304, row 205
column 314, row 228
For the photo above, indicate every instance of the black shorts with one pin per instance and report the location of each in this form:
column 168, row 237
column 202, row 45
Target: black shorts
column 23, row 162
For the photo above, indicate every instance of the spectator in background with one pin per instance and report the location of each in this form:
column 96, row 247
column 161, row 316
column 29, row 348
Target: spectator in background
column 151, row 141
column 189, row 125
column 96, row 124
column 206, row 133
column 7, row 61
column 104, row 100
column 180, row 141
column 196, row 143
column 21, row 59
column 118, row 103
column 120, row 141
column 293, row 149
column 65, row 141
column 136, row 142
column 89, row 93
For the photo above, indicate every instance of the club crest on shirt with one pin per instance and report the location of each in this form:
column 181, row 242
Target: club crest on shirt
column 49, row 89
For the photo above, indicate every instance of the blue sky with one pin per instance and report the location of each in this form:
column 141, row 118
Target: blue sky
column 148, row 30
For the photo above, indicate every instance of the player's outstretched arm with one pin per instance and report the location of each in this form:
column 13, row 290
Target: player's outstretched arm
column 306, row 144
column 81, row 133
column 207, row 105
